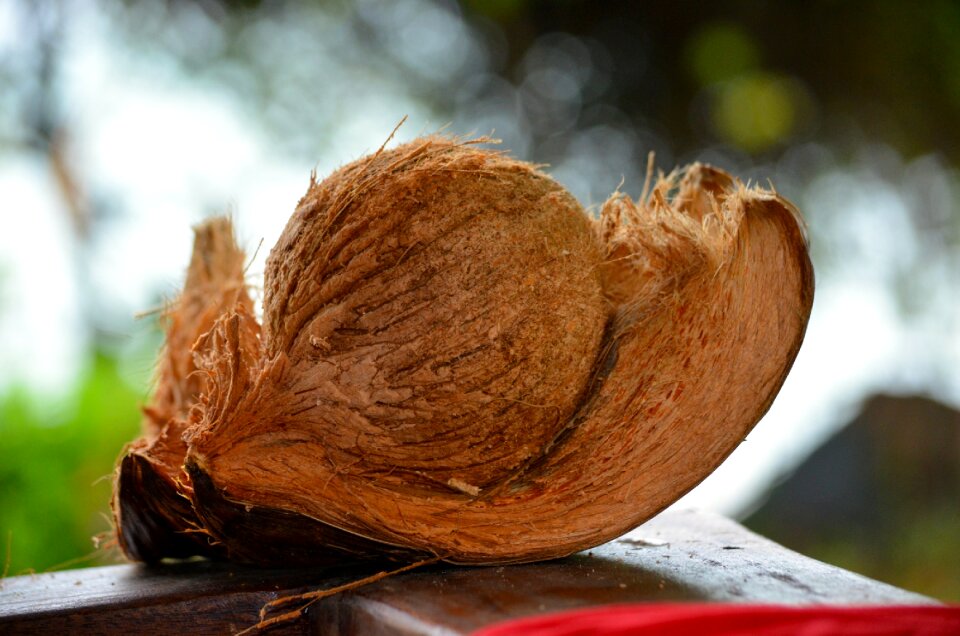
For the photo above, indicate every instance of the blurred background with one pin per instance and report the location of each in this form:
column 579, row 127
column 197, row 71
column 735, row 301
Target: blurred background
column 124, row 123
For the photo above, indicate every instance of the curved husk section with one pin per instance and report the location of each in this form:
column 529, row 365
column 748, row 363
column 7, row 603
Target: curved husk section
column 456, row 360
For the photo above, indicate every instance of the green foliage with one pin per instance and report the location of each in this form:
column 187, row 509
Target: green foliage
column 57, row 466
column 918, row 553
column 757, row 110
column 721, row 51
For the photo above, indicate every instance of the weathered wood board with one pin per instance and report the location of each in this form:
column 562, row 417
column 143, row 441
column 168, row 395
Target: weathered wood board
column 677, row 556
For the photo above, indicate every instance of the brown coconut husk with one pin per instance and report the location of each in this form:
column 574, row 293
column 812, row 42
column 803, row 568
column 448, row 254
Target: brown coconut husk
column 152, row 491
column 455, row 360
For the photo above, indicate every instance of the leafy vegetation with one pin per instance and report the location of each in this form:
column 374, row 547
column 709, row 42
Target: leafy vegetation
column 57, row 468
column 918, row 554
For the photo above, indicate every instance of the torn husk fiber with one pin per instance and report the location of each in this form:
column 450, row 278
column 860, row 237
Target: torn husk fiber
column 455, row 360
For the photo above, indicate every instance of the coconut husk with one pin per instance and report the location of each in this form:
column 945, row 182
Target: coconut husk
column 153, row 513
column 456, row 360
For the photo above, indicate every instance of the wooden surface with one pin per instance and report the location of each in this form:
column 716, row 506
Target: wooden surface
column 676, row 556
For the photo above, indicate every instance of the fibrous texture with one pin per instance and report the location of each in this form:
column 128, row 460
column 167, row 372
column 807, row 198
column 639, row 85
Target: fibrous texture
column 456, row 360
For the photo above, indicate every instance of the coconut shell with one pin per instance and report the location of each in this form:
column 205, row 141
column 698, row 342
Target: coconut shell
column 456, row 360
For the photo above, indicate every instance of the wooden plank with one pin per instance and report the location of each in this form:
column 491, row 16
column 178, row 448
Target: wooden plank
column 677, row 556
column 183, row 598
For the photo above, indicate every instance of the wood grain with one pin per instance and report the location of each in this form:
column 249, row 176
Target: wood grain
column 677, row 556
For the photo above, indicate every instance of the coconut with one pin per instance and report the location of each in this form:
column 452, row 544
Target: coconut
column 457, row 361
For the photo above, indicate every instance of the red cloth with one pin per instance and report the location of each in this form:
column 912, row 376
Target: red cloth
column 727, row 620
